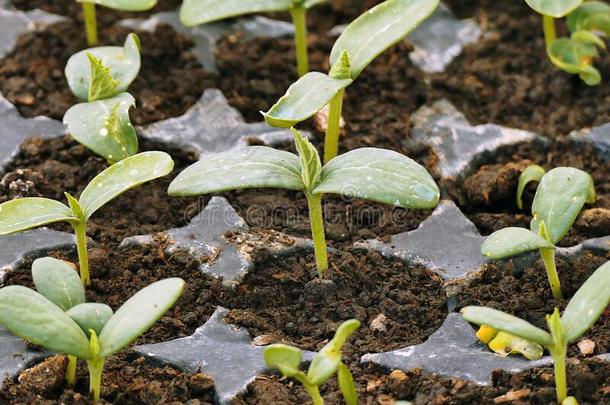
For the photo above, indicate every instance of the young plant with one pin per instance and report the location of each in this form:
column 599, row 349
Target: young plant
column 58, row 318
column 89, row 14
column 379, row 175
column 588, row 22
column 99, row 77
column 27, row 213
column 361, row 42
column 196, row 12
column 581, row 313
column 324, row 365
column 560, row 196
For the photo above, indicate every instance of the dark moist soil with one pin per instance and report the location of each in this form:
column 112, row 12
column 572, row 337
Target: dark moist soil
column 170, row 80
column 128, row 379
column 488, row 195
column 507, row 79
column 588, row 380
column 48, row 168
column 282, row 300
column 526, row 294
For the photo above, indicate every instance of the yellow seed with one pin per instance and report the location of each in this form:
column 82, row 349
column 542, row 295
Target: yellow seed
column 486, row 333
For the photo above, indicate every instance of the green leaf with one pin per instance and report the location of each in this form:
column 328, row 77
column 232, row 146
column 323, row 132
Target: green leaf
column 531, row 173
column 124, row 5
column 31, row 316
column 90, row 316
column 587, row 304
column 575, row 57
column 195, row 12
column 58, row 281
column 588, row 37
column 311, row 166
column 590, row 16
column 254, row 166
column 304, row 98
column 502, row 321
column 512, row 241
column 561, row 194
column 31, row 212
column 344, row 331
column 380, row 175
column 123, row 176
column 104, row 127
column 116, row 63
column 138, row 314
column 554, row 8
column 347, row 385
column 284, row 358
column 378, row 29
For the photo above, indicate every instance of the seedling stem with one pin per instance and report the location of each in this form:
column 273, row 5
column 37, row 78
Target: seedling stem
column 90, row 23
column 317, row 231
column 331, row 142
column 71, row 370
column 299, row 20
column 548, row 26
column 80, row 229
column 548, row 257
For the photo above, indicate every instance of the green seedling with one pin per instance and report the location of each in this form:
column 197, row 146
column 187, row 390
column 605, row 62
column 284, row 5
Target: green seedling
column 588, row 22
column 583, row 310
column 324, row 365
column 100, row 77
column 560, row 196
column 196, row 12
column 379, row 175
column 361, row 42
column 90, row 18
column 32, row 212
column 58, row 319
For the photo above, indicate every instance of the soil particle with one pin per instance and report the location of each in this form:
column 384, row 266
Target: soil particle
column 170, row 80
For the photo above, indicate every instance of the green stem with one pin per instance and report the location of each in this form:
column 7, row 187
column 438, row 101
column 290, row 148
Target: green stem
column 96, row 368
column 559, row 365
column 299, row 19
column 81, row 246
column 314, row 393
column 71, row 370
column 90, row 23
column 548, row 26
column 331, row 142
column 548, row 256
column 317, row 231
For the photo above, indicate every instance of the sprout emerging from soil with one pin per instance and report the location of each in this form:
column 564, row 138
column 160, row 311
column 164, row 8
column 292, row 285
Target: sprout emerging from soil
column 588, row 22
column 361, row 42
column 324, row 365
column 196, row 12
column 560, row 196
column 583, row 310
column 379, row 175
column 100, row 77
column 89, row 14
column 58, row 318
column 32, row 212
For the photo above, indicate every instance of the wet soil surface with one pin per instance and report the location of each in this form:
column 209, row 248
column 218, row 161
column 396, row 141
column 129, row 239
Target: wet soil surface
column 588, row 380
column 170, row 80
column 48, row 168
column 527, row 294
column 488, row 195
column 128, row 379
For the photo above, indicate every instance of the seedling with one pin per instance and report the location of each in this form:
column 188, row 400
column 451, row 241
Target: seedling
column 588, row 22
column 32, row 212
column 581, row 313
column 196, row 12
column 89, row 13
column 58, row 319
column 324, row 365
column 99, row 77
column 504, row 343
column 379, row 175
column 361, row 42
column 560, row 196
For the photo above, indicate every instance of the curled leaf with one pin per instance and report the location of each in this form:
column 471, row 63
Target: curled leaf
column 575, row 57
column 531, row 173
column 284, row 358
column 590, row 16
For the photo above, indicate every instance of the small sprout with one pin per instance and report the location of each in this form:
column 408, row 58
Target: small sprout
column 531, row 173
column 587, row 21
column 196, row 12
column 361, row 42
column 32, row 212
column 85, row 331
column 560, row 196
column 504, row 343
column 100, row 76
column 379, row 175
column 585, row 307
column 324, row 365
